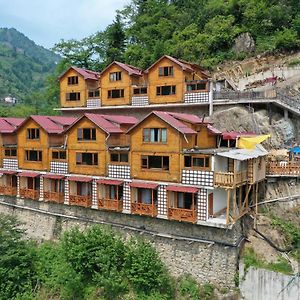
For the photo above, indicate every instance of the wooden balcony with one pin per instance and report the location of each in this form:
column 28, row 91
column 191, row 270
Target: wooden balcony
column 53, row 197
column 118, row 140
column 29, row 193
column 181, row 214
column 8, row 190
column 230, row 179
column 85, row 201
column 290, row 168
column 144, row 209
column 110, row 204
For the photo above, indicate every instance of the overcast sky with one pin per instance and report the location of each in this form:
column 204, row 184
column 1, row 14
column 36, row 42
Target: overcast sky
column 48, row 21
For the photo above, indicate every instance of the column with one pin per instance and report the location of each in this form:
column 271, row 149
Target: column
column 210, row 98
column 126, row 198
column 162, row 202
column 67, row 192
column 18, row 186
column 41, row 189
column 94, row 194
column 202, row 213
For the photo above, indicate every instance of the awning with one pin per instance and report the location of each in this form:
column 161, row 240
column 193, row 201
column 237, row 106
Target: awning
column 81, row 179
column 182, row 189
column 144, row 185
column 28, row 174
column 109, row 181
column 251, row 142
column 53, row 176
column 8, row 172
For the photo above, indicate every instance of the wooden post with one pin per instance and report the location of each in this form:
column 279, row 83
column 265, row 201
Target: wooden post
column 152, row 201
column 256, row 205
column 228, row 206
column 234, row 205
column 240, row 200
column 193, row 207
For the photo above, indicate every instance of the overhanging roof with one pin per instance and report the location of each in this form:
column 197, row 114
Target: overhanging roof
column 244, row 154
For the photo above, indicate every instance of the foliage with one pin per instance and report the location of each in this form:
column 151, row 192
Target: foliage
column 17, row 274
column 251, row 259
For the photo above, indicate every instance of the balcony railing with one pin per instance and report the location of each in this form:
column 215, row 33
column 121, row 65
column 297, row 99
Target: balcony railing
column 230, row 179
column 283, row 168
column 110, row 204
column 85, row 201
column 144, row 209
column 53, row 197
column 181, row 214
column 29, row 193
column 8, row 190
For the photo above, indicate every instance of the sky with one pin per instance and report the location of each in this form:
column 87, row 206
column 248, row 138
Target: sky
column 46, row 22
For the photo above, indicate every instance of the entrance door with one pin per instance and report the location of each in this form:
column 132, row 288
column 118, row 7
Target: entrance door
column 210, row 205
column 30, row 183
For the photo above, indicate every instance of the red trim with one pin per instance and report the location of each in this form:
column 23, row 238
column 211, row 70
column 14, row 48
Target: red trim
column 81, row 179
column 8, row 172
column 28, row 174
column 109, row 181
column 183, row 189
column 144, row 185
column 53, row 176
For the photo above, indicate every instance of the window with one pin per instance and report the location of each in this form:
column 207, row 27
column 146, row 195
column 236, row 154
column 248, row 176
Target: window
column 196, row 162
column 86, row 134
column 72, row 80
column 166, row 90
column 83, row 188
column 155, row 162
column 59, row 155
column 112, row 94
column 184, row 200
column 139, row 91
column 155, row 135
column 200, row 86
column 94, row 94
column 85, row 158
column 10, row 152
column 33, row 133
column 166, row 71
column 72, row 96
column 147, row 196
column 119, row 157
column 114, row 192
column 33, row 155
column 115, row 76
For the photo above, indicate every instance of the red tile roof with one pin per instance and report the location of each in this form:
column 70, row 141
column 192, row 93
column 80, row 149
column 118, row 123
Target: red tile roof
column 144, row 185
column 213, row 130
column 128, row 68
column 80, row 179
column 9, row 125
column 121, row 119
column 193, row 119
column 86, row 74
column 103, row 123
column 110, row 181
column 28, row 174
column 53, row 176
column 52, row 124
column 232, row 135
column 8, row 172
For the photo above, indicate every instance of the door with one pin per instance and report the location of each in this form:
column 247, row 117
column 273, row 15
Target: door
column 210, row 205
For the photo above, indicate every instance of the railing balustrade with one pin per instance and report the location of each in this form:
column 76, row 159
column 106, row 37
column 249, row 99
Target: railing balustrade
column 181, row 214
column 29, row 193
column 144, row 209
column 8, row 190
column 230, row 179
column 53, row 197
column 283, row 168
column 110, row 204
column 85, row 201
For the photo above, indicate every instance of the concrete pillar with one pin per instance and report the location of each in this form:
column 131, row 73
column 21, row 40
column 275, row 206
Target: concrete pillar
column 210, row 98
column 41, row 189
column 202, row 213
column 94, row 194
column 286, row 114
column 18, row 186
column 162, row 202
column 126, row 198
column 67, row 192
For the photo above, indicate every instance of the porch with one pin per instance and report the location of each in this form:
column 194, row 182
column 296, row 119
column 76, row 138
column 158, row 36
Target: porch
column 54, row 187
column 230, row 179
column 29, row 185
column 110, row 194
column 80, row 191
column 8, row 183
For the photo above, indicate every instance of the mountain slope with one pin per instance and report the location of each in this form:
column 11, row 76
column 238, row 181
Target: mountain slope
column 23, row 64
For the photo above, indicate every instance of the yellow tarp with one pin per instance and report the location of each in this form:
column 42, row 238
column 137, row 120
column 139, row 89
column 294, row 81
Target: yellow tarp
column 251, row 142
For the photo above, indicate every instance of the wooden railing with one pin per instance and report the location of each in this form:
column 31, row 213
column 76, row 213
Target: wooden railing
column 110, row 204
column 85, row 201
column 144, row 209
column 283, row 168
column 53, row 197
column 181, row 214
column 29, row 193
column 230, row 179
column 8, row 190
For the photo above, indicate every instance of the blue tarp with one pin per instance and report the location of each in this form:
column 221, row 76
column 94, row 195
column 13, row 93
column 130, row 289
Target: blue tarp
column 295, row 150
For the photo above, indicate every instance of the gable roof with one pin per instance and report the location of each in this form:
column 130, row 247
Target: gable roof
column 86, row 74
column 51, row 124
column 108, row 123
column 131, row 70
column 10, row 125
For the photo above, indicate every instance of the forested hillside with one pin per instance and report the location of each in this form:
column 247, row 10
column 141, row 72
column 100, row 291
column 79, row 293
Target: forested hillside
column 201, row 31
column 24, row 66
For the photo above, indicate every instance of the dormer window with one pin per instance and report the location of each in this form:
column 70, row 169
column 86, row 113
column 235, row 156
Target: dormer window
column 33, row 133
column 72, row 80
column 115, row 76
column 155, row 135
column 166, row 71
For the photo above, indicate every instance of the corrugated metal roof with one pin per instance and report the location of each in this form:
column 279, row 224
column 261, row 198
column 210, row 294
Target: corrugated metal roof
column 8, row 172
column 86, row 74
column 110, row 181
column 213, row 130
column 244, row 154
column 65, row 121
column 144, row 185
column 193, row 119
column 121, row 119
column 103, row 123
column 233, row 135
column 9, row 125
column 128, row 68
column 182, row 189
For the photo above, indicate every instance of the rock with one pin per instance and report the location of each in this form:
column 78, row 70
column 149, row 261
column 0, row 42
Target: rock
column 244, row 43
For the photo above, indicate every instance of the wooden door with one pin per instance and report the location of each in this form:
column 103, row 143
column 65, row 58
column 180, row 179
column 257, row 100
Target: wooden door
column 210, row 204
